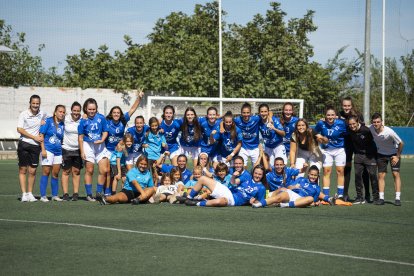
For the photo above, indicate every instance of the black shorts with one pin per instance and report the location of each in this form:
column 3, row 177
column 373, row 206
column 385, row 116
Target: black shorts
column 382, row 161
column 114, row 170
column 28, row 154
column 130, row 194
column 71, row 158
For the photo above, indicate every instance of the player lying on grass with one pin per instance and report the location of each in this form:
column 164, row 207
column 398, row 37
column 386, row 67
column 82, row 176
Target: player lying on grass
column 302, row 193
column 243, row 193
column 138, row 186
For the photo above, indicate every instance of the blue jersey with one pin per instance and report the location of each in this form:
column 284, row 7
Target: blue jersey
column 250, row 131
column 139, row 138
column 186, row 174
column 189, row 140
column 227, row 145
column 307, row 188
column 115, row 155
column 92, row 128
column 335, row 133
column 225, row 181
column 154, row 142
column 289, row 128
column 247, row 190
column 243, row 177
column 144, row 179
column 171, row 133
column 270, row 138
column 115, row 132
column 206, row 130
column 277, row 181
column 53, row 136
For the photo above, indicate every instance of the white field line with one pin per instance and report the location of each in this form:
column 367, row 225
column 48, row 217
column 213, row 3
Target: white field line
column 213, row 240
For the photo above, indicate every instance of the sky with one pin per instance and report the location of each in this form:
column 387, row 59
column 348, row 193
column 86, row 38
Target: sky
column 67, row 26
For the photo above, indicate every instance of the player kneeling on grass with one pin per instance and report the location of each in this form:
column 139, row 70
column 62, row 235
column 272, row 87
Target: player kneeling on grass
column 302, row 193
column 138, row 186
column 242, row 194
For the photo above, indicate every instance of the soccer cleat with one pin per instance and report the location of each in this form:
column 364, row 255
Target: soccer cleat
column 181, row 199
column 75, row 197
column 257, row 205
column 324, row 202
column 379, row 202
column 135, row 201
column 90, row 198
column 397, row 202
column 101, row 198
column 24, row 198
column 332, row 201
column 56, row 198
column 359, row 200
column 190, row 202
column 44, row 199
column 66, row 197
column 30, row 197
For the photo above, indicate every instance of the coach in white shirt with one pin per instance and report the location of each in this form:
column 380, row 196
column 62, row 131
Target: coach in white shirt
column 28, row 150
column 389, row 146
column 72, row 161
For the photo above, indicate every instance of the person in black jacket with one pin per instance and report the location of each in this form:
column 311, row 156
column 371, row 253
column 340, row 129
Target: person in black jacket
column 365, row 152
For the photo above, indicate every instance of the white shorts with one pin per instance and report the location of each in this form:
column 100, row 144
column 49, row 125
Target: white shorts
column 246, row 153
column 190, row 152
column 278, row 151
column 174, row 153
column 305, row 156
column 95, row 152
column 221, row 159
column 292, row 195
column 51, row 159
column 132, row 158
column 331, row 155
column 222, row 191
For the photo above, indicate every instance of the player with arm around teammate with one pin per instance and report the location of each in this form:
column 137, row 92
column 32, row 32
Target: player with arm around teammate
column 302, row 193
column 288, row 122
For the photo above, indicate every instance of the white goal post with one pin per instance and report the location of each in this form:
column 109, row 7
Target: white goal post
column 155, row 104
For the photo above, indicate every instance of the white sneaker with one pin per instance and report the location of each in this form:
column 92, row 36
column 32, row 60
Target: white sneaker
column 24, row 198
column 91, row 199
column 44, row 199
column 56, row 198
column 30, row 197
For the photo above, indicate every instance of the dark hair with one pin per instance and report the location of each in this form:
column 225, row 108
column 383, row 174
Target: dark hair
column 140, row 158
column 121, row 118
column 284, row 169
column 208, row 160
column 167, row 107
column 75, row 103
column 330, row 107
column 196, row 124
column 282, row 116
column 173, row 171
column 139, row 117
column 221, row 167
column 263, row 180
column 308, row 135
column 239, row 157
column 246, row 105
column 314, row 168
column 182, row 155
column 164, row 176
column 233, row 131
column 32, row 97
column 89, row 101
column 353, row 117
column 376, row 115
column 264, row 105
column 150, row 122
column 347, row 98
column 212, row 108
column 54, row 115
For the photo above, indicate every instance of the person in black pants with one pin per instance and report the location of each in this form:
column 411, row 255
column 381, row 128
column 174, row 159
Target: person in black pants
column 348, row 110
column 365, row 152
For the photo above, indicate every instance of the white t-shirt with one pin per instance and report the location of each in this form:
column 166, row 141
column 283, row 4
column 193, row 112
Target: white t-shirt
column 387, row 140
column 70, row 137
column 30, row 123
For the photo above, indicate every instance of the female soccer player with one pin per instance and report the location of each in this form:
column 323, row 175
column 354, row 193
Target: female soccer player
column 288, row 122
column 304, row 146
column 390, row 147
column 92, row 135
column 72, row 161
column 333, row 131
column 364, row 158
column 203, row 161
column 210, row 129
column 28, row 149
column 190, row 134
column 52, row 134
column 249, row 126
column 182, row 166
column 281, row 176
column 138, row 133
column 272, row 133
column 243, row 194
column 171, row 128
column 138, row 187
column 302, row 193
column 230, row 141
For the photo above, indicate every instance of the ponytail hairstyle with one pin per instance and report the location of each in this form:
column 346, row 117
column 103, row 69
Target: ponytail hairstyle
column 282, row 116
column 314, row 168
column 168, row 107
column 54, row 113
column 233, row 132
column 87, row 102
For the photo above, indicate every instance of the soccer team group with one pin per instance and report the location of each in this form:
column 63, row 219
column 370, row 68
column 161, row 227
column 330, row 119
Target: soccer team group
column 220, row 148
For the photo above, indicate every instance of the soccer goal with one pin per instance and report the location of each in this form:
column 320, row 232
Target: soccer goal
column 155, row 105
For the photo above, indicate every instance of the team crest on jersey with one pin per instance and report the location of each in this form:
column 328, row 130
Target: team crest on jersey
column 99, row 120
column 59, row 131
